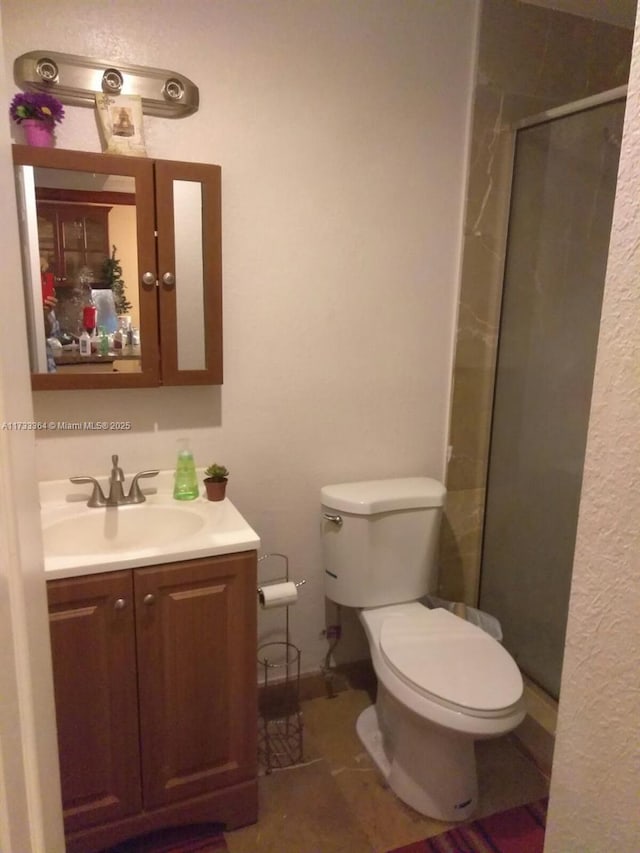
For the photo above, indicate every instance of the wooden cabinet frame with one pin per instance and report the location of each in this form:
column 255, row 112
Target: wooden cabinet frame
column 156, row 254
column 166, row 172
column 156, row 698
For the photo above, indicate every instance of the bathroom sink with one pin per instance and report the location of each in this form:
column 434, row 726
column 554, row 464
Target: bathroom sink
column 121, row 529
column 80, row 540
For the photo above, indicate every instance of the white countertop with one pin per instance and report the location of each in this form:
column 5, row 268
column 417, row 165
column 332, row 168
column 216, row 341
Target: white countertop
column 79, row 540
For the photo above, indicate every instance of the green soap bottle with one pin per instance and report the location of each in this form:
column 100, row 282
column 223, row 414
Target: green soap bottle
column 185, row 487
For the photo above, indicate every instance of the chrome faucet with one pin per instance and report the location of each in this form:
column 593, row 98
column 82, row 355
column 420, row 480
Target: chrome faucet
column 116, row 479
column 117, row 496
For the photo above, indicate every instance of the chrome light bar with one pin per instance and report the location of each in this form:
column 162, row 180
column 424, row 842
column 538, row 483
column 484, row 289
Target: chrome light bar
column 76, row 79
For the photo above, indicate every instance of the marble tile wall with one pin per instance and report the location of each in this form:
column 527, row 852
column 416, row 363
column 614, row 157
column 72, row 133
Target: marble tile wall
column 530, row 59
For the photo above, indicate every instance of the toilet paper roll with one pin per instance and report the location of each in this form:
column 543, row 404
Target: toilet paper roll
column 278, row 595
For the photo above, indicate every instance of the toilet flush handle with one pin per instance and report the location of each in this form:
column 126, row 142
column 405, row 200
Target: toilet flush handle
column 336, row 519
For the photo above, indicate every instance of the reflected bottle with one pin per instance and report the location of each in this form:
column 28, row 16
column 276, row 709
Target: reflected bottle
column 103, row 345
column 89, row 311
column 85, row 343
column 185, row 487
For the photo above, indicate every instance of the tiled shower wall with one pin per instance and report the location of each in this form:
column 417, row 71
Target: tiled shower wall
column 530, row 59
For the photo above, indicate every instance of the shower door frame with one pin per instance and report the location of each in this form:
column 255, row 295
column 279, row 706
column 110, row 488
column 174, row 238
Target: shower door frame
column 609, row 96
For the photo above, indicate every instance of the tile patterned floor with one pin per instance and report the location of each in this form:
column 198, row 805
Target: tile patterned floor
column 336, row 801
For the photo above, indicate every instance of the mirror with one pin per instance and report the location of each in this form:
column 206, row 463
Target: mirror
column 187, row 218
column 188, row 207
column 120, row 254
column 83, row 270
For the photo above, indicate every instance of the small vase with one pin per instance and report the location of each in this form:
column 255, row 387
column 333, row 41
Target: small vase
column 215, row 489
column 38, row 133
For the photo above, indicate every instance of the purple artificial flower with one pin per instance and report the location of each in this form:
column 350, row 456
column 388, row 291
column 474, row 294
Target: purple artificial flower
column 37, row 105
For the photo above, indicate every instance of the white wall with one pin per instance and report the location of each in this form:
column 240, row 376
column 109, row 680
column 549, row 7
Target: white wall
column 596, row 772
column 30, row 816
column 341, row 128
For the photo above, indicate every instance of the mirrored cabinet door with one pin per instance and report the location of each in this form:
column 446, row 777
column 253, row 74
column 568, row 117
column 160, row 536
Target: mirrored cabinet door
column 121, row 268
column 190, row 272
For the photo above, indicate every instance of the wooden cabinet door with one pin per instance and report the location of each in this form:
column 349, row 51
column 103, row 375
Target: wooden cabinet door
column 84, row 239
column 196, row 631
column 49, row 242
column 94, row 670
column 81, row 245
column 73, row 236
column 189, row 225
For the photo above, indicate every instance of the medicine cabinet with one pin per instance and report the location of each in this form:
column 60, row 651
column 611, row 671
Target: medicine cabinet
column 159, row 223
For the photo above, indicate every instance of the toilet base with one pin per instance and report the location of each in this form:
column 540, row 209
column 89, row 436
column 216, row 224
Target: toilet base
column 427, row 767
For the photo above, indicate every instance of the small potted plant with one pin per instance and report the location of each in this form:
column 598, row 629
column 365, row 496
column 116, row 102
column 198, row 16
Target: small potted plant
column 215, row 481
column 37, row 113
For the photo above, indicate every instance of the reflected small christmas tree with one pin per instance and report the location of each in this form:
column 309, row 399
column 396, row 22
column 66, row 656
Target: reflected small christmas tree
column 112, row 273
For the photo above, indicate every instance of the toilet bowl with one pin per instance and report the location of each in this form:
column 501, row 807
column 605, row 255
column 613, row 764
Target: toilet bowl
column 445, row 669
column 442, row 684
column 442, row 681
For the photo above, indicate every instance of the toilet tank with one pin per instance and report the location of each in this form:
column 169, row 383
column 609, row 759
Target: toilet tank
column 380, row 540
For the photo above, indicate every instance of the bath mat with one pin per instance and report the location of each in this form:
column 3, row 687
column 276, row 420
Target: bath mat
column 203, row 838
column 519, row 830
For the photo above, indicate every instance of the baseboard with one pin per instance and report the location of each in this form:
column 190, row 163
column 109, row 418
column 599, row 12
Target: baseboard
column 356, row 675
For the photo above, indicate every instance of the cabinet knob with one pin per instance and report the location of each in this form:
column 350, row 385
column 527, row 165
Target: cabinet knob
column 119, row 603
column 148, row 278
column 149, row 599
column 169, row 279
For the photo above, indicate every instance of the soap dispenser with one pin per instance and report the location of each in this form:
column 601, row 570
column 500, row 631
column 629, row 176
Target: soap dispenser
column 185, row 486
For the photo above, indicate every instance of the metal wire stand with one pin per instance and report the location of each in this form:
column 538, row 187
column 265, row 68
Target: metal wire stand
column 280, row 725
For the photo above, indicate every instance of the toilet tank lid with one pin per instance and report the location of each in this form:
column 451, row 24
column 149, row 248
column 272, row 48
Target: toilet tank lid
column 373, row 496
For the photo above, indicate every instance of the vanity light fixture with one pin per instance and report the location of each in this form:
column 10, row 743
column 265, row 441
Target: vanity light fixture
column 76, row 80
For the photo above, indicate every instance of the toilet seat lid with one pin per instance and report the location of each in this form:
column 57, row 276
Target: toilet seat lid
column 450, row 659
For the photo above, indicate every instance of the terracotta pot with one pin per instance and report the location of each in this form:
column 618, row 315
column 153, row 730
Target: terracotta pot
column 215, row 489
column 38, row 133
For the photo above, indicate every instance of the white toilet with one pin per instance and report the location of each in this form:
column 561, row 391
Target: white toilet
column 442, row 681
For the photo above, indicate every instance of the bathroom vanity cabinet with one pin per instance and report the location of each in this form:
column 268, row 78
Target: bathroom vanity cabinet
column 155, row 689
column 164, row 217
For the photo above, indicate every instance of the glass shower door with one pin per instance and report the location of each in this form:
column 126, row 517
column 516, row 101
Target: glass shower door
column 564, row 185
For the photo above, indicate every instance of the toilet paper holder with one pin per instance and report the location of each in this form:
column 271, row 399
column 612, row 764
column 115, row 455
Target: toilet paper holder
column 280, row 724
column 277, row 581
column 283, row 593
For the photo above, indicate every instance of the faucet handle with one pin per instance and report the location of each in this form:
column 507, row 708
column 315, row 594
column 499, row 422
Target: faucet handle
column 97, row 495
column 135, row 492
column 116, row 471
